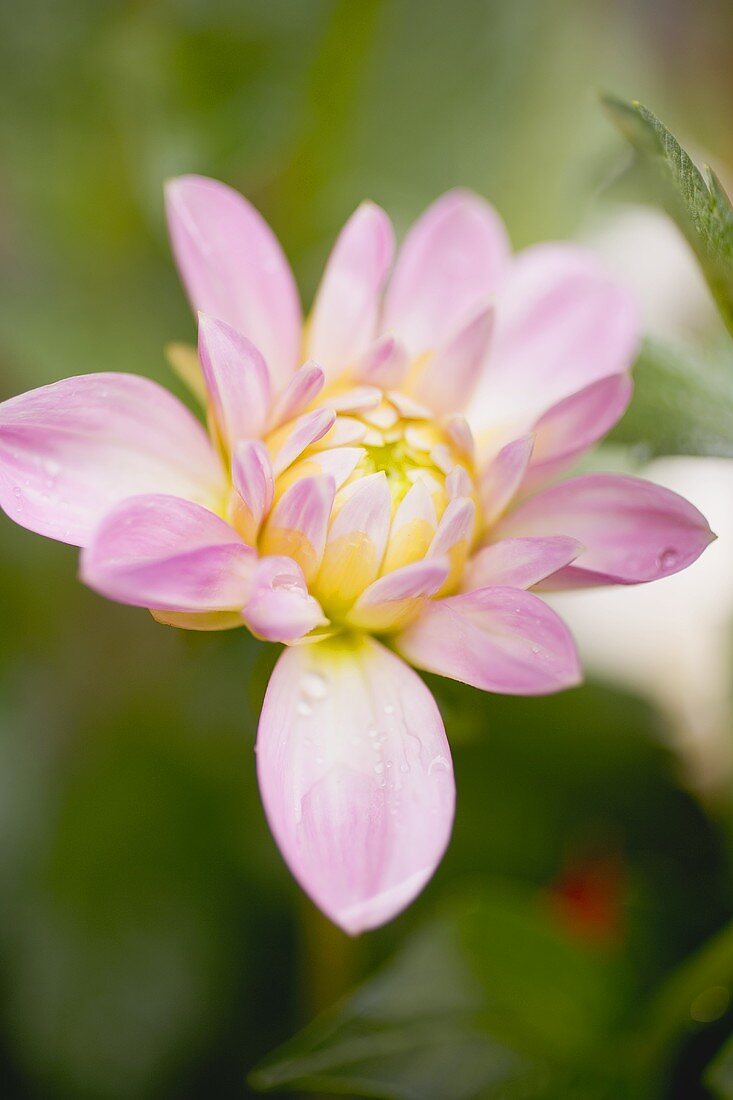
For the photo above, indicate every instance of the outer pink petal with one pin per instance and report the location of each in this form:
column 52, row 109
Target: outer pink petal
column 633, row 531
column 236, row 378
column 234, row 269
column 575, row 424
column 70, row 451
column 356, row 778
column 449, row 378
column 561, row 323
column 497, row 639
column 451, row 261
column 346, row 308
column 279, row 608
column 520, row 563
column 169, row 554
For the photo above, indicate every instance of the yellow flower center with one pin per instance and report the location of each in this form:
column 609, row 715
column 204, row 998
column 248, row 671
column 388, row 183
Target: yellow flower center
column 424, row 468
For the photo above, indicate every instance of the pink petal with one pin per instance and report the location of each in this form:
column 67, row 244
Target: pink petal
column 449, row 378
column 298, row 524
column 307, row 429
column 456, row 526
column 279, row 608
column 367, row 509
column 501, row 478
column 497, row 639
column 383, row 364
column 356, row 778
column 520, row 563
column 254, row 482
column 356, row 543
column 338, row 463
column 575, row 424
column 167, row 553
column 561, row 323
column 633, row 531
column 394, row 598
column 347, row 304
column 301, row 390
column 451, row 261
column 237, row 379
column 234, row 269
column 70, row 451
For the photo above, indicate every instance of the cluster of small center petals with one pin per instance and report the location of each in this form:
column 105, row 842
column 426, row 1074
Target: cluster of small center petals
column 384, row 489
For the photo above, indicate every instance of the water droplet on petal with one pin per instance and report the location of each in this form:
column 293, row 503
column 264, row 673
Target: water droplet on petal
column 388, row 708
column 438, row 764
column 304, row 709
column 668, row 558
column 314, row 686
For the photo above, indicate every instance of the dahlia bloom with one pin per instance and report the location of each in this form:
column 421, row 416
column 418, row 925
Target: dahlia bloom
column 390, row 468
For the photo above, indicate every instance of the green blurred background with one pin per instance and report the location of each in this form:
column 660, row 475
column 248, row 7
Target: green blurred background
column 152, row 944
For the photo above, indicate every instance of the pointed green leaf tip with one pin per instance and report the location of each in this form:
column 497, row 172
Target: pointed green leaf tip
column 697, row 202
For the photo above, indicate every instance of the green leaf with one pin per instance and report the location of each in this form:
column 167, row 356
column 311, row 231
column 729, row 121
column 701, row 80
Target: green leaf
column 491, row 1000
column 696, row 201
column 682, row 404
column 719, row 1074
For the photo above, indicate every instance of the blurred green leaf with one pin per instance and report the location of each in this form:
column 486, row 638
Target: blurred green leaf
column 491, row 1000
column 697, row 202
column 694, row 996
column 682, row 404
column 719, row 1074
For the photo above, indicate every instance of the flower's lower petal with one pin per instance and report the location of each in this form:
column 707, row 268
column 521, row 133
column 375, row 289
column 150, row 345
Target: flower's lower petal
column 450, row 262
column 72, row 450
column 497, row 639
column 561, row 323
column 237, row 380
column 233, row 268
column 519, row 563
column 344, row 318
column 279, row 608
column 632, row 530
column 199, row 620
column 169, row 554
column 356, row 778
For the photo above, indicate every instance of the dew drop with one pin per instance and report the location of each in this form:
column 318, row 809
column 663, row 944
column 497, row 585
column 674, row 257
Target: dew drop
column 668, row 558
column 314, row 686
column 379, row 768
column 404, row 768
column 438, row 764
column 304, row 709
column 388, row 708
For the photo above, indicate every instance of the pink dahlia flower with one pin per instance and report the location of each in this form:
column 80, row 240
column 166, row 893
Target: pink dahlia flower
column 391, row 469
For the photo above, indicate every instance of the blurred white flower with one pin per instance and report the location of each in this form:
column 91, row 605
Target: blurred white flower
column 673, row 641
